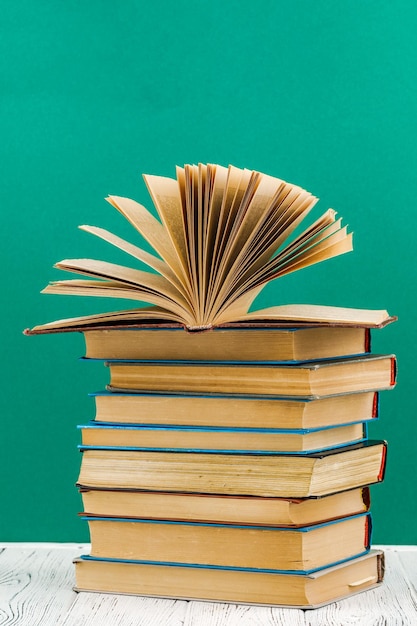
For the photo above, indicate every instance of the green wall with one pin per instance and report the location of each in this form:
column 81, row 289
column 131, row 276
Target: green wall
column 322, row 94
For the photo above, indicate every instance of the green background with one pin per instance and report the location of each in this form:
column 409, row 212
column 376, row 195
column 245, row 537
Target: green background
column 322, row 94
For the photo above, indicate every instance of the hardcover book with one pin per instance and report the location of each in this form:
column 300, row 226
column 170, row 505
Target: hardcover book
column 276, row 475
column 235, row 411
column 236, row 342
column 198, row 507
column 311, row 379
column 304, row 549
column 212, row 439
column 231, row 585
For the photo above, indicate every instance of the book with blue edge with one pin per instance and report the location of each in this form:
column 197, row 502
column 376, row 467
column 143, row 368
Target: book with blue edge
column 218, row 439
column 232, row 473
column 228, row 343
column 303, row 549
column 312, row 379
column 243, row 510
column 233, row 410
column 190, row 582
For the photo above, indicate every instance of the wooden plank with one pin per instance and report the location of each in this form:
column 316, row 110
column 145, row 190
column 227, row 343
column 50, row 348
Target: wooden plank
column 96, row 609
column 36, row 588
column 408, row 560
column 216, row 614
column 35, row 585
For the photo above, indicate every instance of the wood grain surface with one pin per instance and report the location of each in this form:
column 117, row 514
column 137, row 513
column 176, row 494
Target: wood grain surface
column 36, row 583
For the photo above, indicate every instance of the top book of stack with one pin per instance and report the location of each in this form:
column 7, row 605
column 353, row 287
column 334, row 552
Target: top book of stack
column 222, row 235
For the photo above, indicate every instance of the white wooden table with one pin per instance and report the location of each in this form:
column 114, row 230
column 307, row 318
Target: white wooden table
column 36, row 589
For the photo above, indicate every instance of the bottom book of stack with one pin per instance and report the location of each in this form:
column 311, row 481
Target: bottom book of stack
column 229, row 584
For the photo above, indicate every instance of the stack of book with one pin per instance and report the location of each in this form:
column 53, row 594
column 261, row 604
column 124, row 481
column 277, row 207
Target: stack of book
column 228, row 459
column 239, row 480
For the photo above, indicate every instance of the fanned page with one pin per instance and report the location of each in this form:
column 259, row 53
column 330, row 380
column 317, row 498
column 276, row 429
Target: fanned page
column 222, row 234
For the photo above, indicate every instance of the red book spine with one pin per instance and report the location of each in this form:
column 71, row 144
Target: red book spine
column 383, row 463
column 393, row 371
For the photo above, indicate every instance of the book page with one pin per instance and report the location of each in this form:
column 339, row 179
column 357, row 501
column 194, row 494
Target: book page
column 152, row 230
column 278, row 228
column 223, row 234
column 301, row 253
column 109, row 289
column 235, row 259
column 338, row 243
column 237, row 181
column 126, row 317
column 165, row 193
column 322, row 252
column 320, row 229
column 250, row 215
column 237, row 309
column 321, row 313
column 190, row 213
column 246, row 269
column 138, row 279
column 138, row 253
column 217, row 176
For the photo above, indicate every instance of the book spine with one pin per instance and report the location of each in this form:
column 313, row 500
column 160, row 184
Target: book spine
column 366, row 498
column 381, row 566
column 368, row 532
column 393, row 371
column 367, row 340
column 383, row 463
column 375, row 405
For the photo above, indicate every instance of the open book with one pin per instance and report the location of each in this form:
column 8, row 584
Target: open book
column 222, row 234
